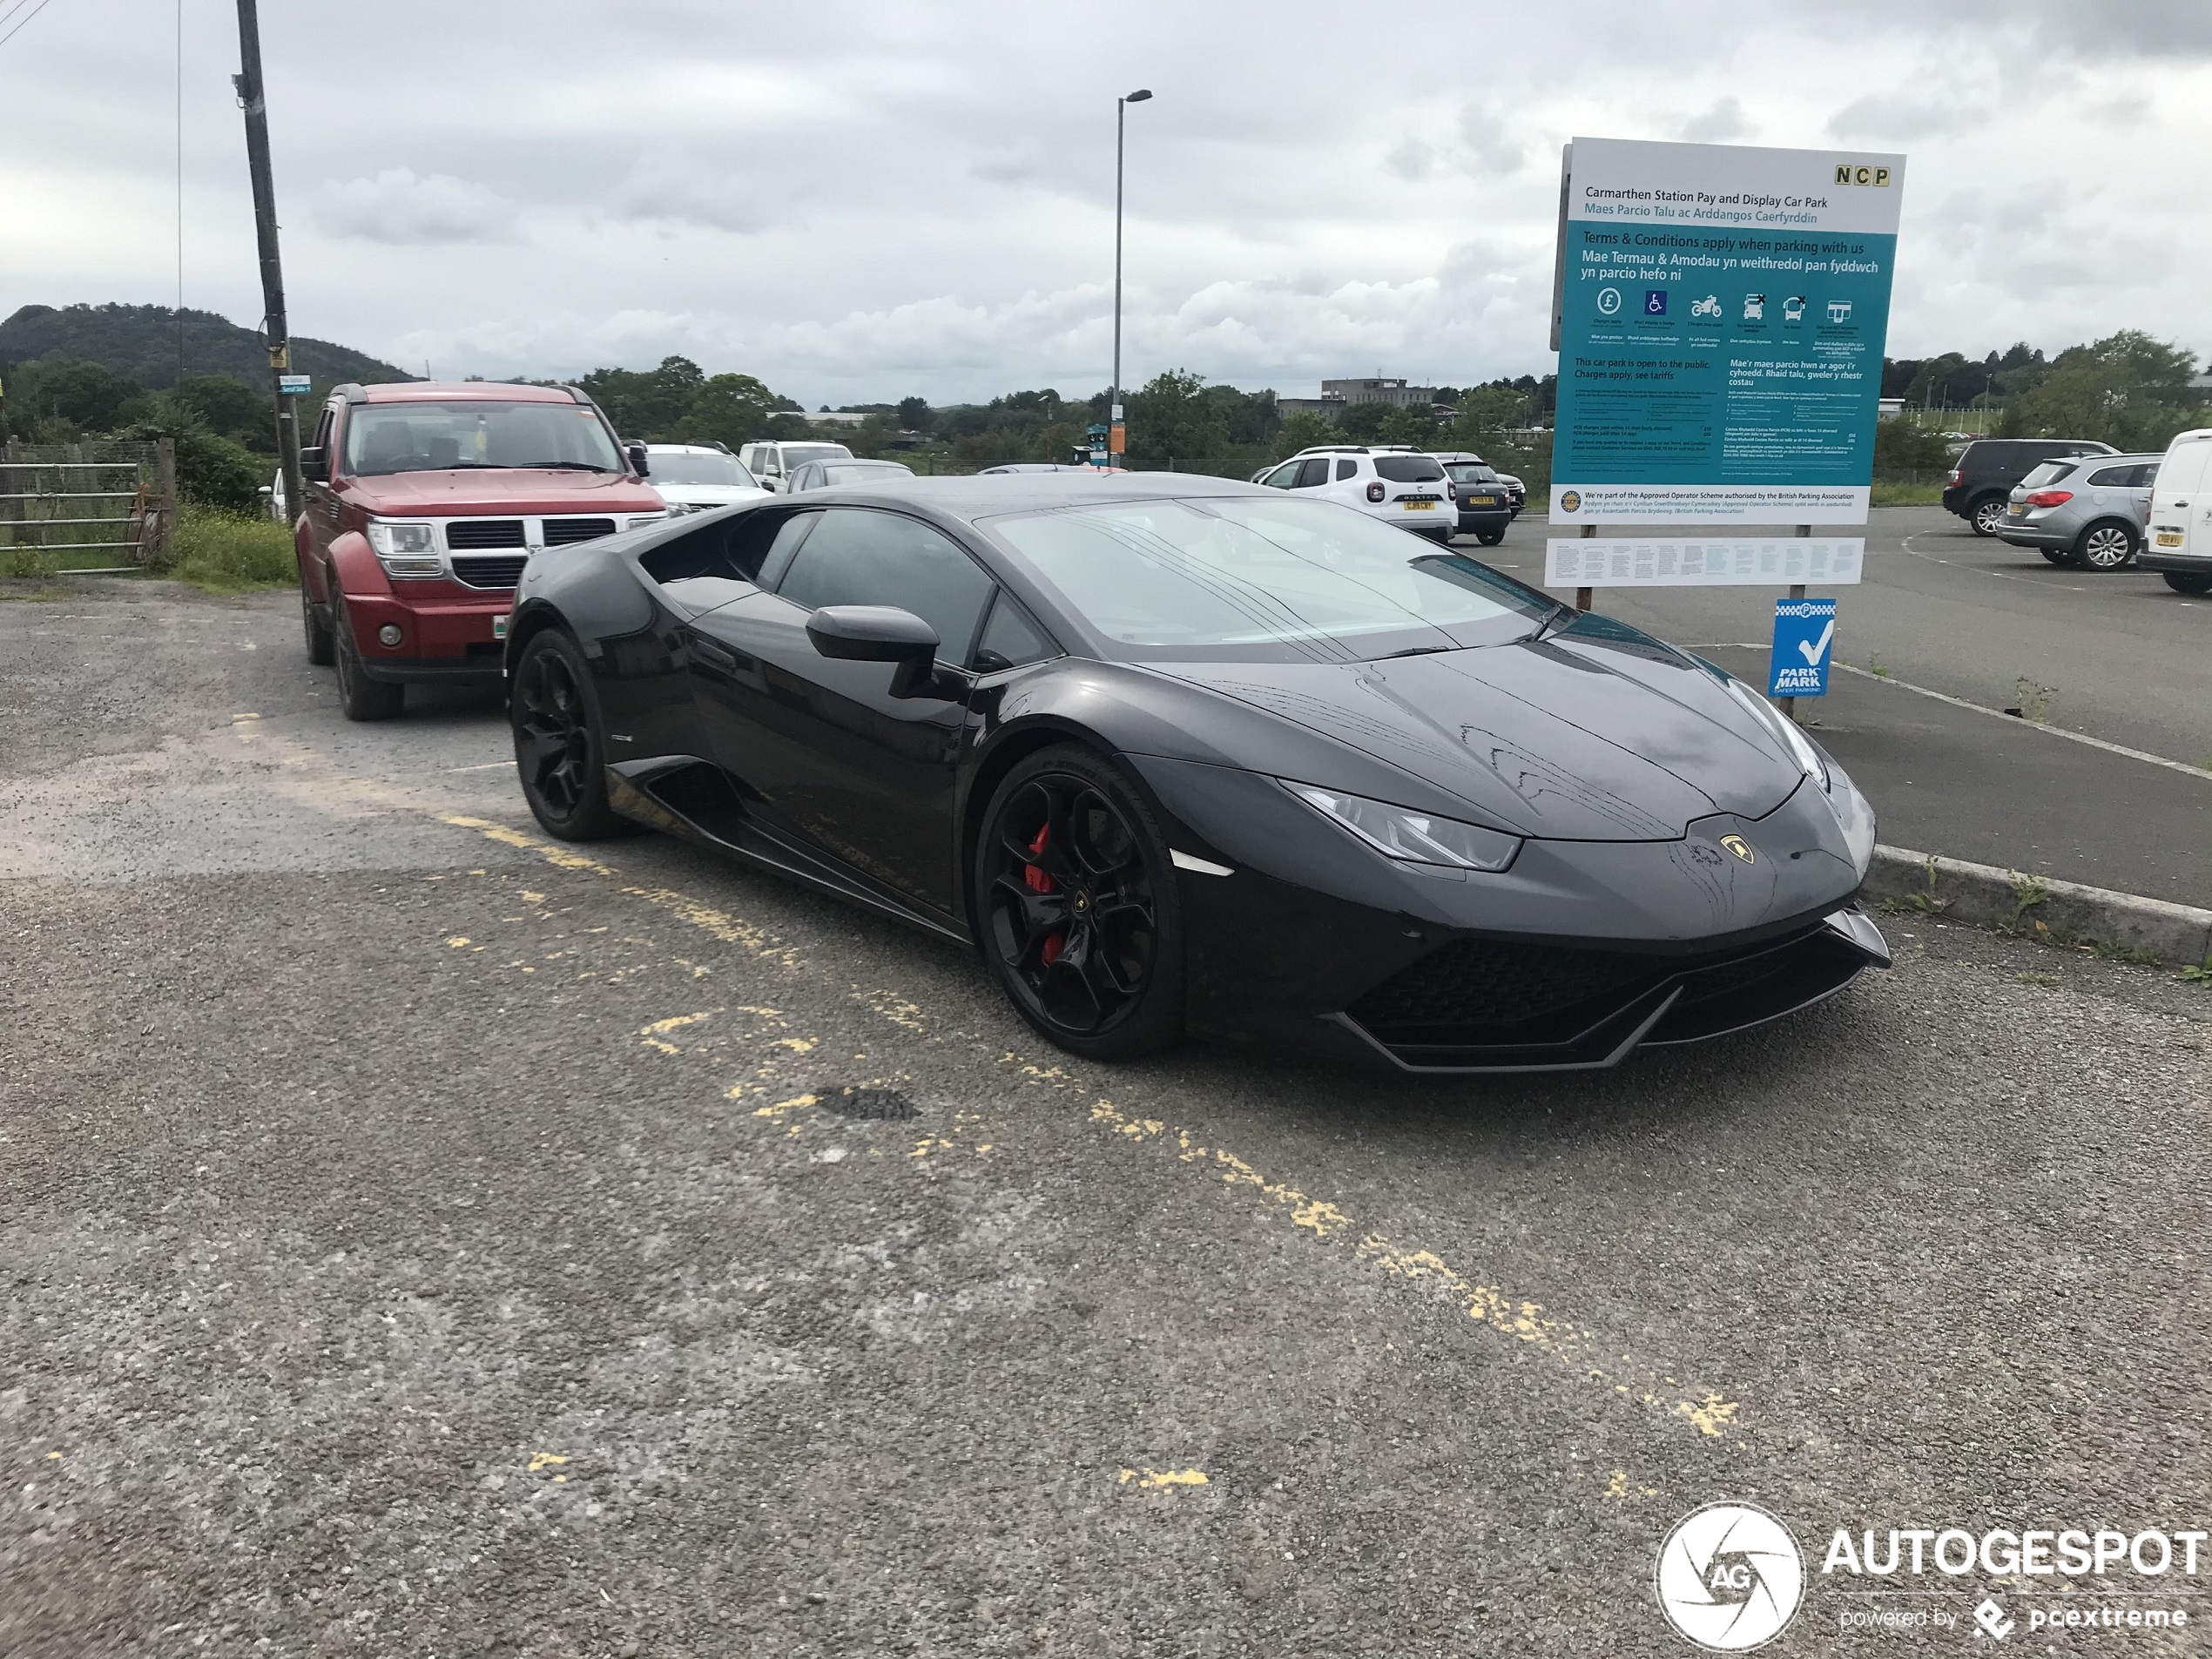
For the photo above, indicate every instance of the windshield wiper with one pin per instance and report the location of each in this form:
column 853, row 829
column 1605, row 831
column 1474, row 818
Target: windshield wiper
column 564, row 466
column 1415, row 650
column 1557, row 612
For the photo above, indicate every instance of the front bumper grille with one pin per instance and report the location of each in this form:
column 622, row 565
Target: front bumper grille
column 1502, row 1004
column 483, row 532
column 561, row 532
column 489, row 573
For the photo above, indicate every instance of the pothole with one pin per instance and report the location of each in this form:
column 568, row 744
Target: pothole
column 854, row 1100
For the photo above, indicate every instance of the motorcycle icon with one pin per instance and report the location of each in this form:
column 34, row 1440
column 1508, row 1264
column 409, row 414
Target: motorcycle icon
column 1755, row 307
column 1709, row 306
column 1793, row 308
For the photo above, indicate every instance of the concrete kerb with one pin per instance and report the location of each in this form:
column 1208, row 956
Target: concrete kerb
column 2063, row 913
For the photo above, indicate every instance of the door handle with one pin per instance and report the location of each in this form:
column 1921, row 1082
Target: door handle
column 713, row 655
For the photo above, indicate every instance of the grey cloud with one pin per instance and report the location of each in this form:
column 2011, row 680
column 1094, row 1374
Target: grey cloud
column 1723, row 121
column 1898, row 116
column 1488, row 142
column 1410, row 158
column 687, row 188
column 397, row 207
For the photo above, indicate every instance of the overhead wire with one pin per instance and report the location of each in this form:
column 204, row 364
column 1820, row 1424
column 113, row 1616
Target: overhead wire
column 19, row 27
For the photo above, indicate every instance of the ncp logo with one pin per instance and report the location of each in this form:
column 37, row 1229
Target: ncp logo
column 1849, row 172
column 1729, row 1577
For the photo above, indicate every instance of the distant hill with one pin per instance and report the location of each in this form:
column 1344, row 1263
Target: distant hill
column 139, row 343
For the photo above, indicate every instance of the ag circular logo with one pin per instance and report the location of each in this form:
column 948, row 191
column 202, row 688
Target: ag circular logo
column 1571, row 500
column 1729, row 1577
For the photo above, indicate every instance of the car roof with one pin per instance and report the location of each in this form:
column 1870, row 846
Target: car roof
column 982, row 496
column 464, row 391
column 685, row 449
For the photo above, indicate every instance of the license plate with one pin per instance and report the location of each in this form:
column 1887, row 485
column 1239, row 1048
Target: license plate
column 499, row 625
column 2167, row 538
column 1420, row 506
column 1482, row 501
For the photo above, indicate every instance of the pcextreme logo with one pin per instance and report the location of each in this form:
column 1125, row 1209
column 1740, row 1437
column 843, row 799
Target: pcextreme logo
column 1856, row 172
column 1729, row 1577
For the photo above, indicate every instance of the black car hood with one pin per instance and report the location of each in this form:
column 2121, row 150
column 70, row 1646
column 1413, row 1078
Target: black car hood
column 1597, row 733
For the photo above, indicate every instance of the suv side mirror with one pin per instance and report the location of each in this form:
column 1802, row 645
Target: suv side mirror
column 635, row 450
column 315, row 464
column 879, row 634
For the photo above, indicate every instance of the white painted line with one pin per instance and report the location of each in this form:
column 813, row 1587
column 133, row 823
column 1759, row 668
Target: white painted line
column 1197, row 866
column 1962, row 703
column 488, row 765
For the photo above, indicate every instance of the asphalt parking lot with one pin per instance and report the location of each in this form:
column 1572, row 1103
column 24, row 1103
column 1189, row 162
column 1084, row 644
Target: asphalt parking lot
column 424, row 1238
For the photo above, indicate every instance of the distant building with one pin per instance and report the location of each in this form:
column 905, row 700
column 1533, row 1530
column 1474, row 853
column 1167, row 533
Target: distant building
column 1337, row 396
column 1889, row 408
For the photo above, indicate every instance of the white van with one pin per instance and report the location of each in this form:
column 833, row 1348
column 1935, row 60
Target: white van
column 2178, row 541
column 772, row 464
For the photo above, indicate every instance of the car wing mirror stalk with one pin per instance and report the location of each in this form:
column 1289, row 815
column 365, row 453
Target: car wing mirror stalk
column 635, row 450
column 884, row 634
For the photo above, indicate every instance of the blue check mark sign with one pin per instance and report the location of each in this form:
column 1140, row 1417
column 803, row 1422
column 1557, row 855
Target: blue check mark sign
column 1814, row 650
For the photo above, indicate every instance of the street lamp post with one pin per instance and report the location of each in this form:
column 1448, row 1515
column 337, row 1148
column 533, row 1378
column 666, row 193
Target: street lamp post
column 1116, row 433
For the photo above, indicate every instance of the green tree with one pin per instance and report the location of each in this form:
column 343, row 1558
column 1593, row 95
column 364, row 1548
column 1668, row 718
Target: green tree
column 646, row 403
column 211, row 469
column 1904, row 452
column 913, row 414
column 1307, row 429
column 2126, row 389
column 233, row 409
column 1171, row 416
column 728, row 409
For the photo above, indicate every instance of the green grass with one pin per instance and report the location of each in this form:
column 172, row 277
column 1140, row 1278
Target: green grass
column 231, row 552
column 1908, row 495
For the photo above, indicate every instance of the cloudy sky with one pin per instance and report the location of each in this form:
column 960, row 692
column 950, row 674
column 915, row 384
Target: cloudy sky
column 861, row 202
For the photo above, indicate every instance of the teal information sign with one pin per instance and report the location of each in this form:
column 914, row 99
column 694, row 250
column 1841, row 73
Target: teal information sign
column 1721, row 313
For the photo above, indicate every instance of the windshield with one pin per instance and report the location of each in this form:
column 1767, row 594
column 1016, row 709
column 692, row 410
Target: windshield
column 1471, row 472
column 1268, row 579
column 798, row 455
column 383, row 438
column 859, row 472
column 695, row 466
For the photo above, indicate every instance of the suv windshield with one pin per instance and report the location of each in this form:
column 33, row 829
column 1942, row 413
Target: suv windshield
column 1408, row 469
column 695, row 466
column 383, row 438
column 1267, row 579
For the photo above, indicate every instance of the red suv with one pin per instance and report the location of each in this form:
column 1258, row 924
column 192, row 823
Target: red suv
column 424, row 502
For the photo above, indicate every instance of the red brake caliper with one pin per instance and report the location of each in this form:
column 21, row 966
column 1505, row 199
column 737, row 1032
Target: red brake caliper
column 1038, row 882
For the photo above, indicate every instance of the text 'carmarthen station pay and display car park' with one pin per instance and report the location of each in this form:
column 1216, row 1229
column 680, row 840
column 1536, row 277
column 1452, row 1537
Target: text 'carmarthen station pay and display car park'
column 1509, row 953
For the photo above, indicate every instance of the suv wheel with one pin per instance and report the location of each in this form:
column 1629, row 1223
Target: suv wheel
column 361, row 697
column 2105, row 547
column 2187, row 582
column 1986, row 514
column 321, row 647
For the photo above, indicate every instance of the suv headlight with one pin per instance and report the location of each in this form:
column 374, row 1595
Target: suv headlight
column 1784, row 732
column 405, row 549
column 638, row 521
column 1411, row 837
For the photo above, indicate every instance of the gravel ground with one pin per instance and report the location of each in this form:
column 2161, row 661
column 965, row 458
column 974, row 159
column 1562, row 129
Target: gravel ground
column 423, row 1238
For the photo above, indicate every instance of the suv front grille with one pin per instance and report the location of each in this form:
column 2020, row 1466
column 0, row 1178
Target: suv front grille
column 559, row 532
column 483, row 532
column 489, row 573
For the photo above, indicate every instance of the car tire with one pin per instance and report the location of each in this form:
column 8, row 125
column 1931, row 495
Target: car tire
column 1077, row 906
column 1986, row 514
column 2057, row 555
column 1489, row 538
column 322, row 649
column 2187, row 582
column 2109, row 545
column 561, row 740
column 361, row 697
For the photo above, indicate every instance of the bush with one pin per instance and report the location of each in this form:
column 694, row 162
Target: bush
column 229, row 552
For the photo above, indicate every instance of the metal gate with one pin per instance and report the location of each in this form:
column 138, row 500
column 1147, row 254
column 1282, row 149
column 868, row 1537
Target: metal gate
column 92, row 508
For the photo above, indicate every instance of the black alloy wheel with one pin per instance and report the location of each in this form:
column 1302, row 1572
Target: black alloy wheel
column 1077, row 903
column 1988, row 514
column 321, row 647
column 2106, row 547
column 2187, row 582
column 560, row 743
column 361, row 697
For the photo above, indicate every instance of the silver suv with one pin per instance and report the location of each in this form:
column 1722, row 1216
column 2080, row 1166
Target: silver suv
column 2086, row 510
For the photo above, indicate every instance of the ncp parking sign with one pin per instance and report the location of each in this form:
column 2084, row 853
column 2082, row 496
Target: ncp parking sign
column 1805, row 633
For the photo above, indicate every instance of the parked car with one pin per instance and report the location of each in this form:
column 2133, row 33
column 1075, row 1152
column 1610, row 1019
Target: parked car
column 698, row 477
column 1395, row 483
column 2089, row 510
column 273, row 501
column 1981, row 486
column 424, row 502
column 1485, row 508
column 1165, row 751
column 1042, row 466
column 2180, row 545
column 1515, row 490
column 829, row 475
column 771, row 462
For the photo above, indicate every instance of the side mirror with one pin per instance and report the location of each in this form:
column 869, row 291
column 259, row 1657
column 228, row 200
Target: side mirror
column 315, row 464
column 879, row 634
column 637, row 453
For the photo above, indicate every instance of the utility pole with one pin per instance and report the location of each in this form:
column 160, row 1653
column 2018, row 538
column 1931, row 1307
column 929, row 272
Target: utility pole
column 1116, row 438
column 248, row 83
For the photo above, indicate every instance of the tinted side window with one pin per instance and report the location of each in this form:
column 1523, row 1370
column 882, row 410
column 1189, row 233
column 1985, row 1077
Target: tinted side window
column 1283, row 477
column 1345, row 467
column 1312, row 472
column 1010, row 639
column 858, row 557
column 2115, row 477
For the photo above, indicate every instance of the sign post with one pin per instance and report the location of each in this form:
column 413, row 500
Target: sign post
column 1720, row 313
